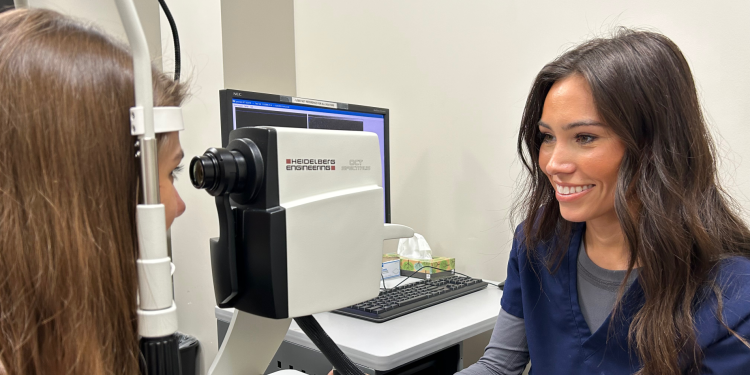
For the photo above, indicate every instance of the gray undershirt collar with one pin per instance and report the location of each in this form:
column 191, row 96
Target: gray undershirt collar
column 597, row 289
column 604, row 278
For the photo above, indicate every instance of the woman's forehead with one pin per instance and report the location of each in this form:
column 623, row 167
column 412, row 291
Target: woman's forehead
column 569, row 101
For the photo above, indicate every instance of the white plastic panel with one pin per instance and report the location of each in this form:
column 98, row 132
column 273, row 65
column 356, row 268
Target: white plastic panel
column 157, row 323
column 154, row 269
column 334, row 246
column 155, row 283
column 355, row 156
column 394, row 231
column 152, row 231
column 249, row 345
column 330, row 184
column 166, row 119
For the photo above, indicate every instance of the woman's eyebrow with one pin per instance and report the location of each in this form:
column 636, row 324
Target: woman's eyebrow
column 573, row 124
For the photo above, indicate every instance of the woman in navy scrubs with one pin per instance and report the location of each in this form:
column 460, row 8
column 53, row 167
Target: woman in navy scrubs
column 631, row 259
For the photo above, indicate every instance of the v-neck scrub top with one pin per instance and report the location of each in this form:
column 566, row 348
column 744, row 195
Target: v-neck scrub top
column 508, row 353
column 561, row 342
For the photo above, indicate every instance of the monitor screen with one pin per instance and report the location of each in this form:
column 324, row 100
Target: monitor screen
column 247, row 109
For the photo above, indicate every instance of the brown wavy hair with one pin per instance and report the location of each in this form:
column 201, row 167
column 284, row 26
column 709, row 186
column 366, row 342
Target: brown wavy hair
column 68, row 190
column 677, row 221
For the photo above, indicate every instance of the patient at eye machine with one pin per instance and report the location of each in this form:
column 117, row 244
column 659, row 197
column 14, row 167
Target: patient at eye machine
column 69, row 186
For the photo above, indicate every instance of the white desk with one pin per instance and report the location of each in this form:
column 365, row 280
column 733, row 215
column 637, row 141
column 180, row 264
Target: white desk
column 384, row 346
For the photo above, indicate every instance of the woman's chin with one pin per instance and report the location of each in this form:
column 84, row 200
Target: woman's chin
column 573, row 215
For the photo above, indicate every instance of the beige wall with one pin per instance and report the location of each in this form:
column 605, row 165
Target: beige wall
column 259, row 46
column 103, row 13
column 455, row 75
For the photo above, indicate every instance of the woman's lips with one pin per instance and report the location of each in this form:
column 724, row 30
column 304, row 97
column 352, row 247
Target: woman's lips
column 571, row 192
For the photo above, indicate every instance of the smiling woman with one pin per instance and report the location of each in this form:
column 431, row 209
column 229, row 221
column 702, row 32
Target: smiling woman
column 630, row 257
column 622, row 115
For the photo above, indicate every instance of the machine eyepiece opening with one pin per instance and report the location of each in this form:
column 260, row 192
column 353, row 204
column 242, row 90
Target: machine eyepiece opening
column 203, row 172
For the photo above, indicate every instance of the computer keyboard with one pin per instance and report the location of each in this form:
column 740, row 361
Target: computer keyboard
column 409, row 298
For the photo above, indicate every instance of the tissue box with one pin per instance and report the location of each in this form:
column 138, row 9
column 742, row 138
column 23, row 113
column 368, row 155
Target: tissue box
column 411, row 265
column 390, row 266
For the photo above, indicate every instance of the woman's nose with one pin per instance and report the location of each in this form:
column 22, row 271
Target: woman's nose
column 560, row 162
column 180, row 205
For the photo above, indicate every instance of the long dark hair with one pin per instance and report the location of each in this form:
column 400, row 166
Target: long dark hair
column 68, row 189
column 677, row 221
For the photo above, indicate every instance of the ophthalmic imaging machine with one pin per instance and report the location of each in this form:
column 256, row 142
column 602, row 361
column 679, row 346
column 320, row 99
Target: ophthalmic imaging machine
column 287, row 208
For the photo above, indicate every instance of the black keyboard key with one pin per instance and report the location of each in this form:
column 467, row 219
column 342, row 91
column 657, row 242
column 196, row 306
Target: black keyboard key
column 412, row 300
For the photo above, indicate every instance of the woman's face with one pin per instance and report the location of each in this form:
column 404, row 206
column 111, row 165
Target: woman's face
column 579, row 154
column 170, row 156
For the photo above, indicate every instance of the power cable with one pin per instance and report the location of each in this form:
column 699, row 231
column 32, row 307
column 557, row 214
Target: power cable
column 175, row 37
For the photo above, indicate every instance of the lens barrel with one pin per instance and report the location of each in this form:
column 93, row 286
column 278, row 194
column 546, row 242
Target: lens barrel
column 203, row 171
column 236, row 170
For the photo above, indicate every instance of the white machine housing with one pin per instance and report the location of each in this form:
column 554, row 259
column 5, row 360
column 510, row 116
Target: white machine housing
column 311, row 240
column 330, row 187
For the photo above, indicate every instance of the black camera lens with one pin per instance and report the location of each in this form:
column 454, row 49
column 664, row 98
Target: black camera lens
column 236, row 170
column 198, row 173
column 203, row 171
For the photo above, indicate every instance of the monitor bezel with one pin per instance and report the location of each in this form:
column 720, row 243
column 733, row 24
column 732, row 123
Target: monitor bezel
column 227, row 125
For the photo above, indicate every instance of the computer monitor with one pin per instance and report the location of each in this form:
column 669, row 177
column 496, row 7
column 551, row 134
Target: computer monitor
column 240, row 109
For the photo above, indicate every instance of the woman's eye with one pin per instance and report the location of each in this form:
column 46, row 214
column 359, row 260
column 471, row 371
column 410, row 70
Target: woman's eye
column 546, row 137
column 586, row 138
column 177, row 171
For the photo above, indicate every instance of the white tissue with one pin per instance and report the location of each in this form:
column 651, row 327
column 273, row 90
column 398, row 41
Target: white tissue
column 414, row 248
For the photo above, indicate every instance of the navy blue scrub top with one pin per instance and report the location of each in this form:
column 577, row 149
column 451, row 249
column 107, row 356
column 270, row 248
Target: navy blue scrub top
column 561, row 343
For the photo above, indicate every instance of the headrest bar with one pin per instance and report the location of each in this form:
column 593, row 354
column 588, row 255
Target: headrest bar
column 166, row 119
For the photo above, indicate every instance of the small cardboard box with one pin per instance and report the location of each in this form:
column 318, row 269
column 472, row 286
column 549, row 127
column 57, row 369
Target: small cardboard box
column 440, row 264
column 390, row 266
